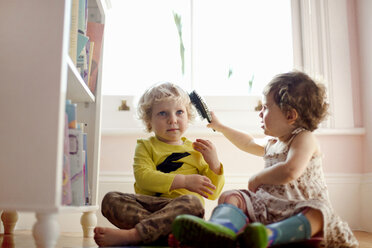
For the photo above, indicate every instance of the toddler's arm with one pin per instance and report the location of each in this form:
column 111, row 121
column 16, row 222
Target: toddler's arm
column 243, row 141
column 195, row 183
column 209, row 152
column 303, row 147
column 214, row 171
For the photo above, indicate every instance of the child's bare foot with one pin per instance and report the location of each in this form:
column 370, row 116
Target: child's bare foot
column 105, row 236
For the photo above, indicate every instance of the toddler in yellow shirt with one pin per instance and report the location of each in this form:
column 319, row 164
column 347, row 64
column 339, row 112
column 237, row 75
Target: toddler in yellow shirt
column 172, row 173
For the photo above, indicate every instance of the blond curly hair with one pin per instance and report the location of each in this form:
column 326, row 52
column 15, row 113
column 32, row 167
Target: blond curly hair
column 164, row 91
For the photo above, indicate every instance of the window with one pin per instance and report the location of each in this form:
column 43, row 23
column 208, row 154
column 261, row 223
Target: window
column 227, row 50
column 238, row 42
column 142, row 45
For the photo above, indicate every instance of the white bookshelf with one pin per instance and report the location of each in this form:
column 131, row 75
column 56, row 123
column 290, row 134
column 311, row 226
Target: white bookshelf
column 77, row 89
column 37, row 76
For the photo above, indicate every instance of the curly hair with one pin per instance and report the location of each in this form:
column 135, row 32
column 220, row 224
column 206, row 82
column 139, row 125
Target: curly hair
column 296, row 90
column 164, row 91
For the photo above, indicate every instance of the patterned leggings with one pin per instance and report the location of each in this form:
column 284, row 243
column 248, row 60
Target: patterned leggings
column 152, row 216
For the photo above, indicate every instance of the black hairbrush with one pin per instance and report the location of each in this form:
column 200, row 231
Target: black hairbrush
column 200, row 106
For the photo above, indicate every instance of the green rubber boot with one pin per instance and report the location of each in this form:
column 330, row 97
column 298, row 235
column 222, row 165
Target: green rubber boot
column 219, row 231
column 254, row 236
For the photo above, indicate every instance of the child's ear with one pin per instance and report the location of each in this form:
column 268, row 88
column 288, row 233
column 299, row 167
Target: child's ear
column 292, row 116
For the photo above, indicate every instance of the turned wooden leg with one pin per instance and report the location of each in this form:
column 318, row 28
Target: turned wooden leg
column 8, row 241
column 46, row 230
column 88, row 222
column 9, row 219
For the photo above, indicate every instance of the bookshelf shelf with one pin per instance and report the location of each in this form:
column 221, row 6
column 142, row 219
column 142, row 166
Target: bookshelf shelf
column 79, row 209
column 37, row 76
column 77, row 89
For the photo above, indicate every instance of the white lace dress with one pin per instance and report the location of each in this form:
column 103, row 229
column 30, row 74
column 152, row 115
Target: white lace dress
column 272, row 203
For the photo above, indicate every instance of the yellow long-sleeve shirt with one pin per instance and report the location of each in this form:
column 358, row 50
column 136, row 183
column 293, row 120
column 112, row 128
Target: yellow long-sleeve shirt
column 157, row 163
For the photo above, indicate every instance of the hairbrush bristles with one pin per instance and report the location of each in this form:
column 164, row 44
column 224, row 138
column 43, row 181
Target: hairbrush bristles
column 200, row 106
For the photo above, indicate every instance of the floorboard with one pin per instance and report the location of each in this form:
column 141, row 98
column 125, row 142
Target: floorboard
column 24, row 239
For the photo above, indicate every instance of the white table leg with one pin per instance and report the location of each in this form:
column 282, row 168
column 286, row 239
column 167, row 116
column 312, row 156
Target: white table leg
column 46, row 230
column 88, row 222
column 9, row 219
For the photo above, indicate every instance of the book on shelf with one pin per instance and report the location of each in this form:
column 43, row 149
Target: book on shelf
column 95, row 34
column 90, row 58
column 78, row 38
column 81, row 63
column 82, row 16
column 74, row 30
column 86, row 62
column 66, row 178
column 85, row 43
column 82, row 41
column 77, row 166
column 86, row 180
column 71, row 114
column 81, row 126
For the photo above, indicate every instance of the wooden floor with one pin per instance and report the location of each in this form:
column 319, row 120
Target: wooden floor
column 23, row 239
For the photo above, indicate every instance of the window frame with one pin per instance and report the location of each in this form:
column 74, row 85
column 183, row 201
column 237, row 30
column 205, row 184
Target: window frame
column 313, row 53
column 325, row 54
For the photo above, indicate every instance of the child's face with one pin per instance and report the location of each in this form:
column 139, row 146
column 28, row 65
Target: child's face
column 274, row 122
column 169, row 121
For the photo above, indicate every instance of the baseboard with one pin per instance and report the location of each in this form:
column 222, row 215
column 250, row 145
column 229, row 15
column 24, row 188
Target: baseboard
column 241, row 178
column 344, row 191
column 366, row 202
column 349, row 194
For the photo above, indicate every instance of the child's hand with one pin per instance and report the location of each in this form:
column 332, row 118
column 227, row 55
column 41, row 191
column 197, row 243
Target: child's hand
column 199, row 184
column 215, row 123
column 253, row 183
column 209, row 152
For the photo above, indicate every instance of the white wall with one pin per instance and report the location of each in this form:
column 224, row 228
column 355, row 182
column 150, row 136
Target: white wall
column 344, row 193
column 341, row 187
column 364, row 20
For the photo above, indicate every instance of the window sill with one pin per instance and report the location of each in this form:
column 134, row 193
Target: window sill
column 202, row 130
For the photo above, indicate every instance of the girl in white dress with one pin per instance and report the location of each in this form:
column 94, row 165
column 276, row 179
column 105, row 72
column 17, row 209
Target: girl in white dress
column 288, row 200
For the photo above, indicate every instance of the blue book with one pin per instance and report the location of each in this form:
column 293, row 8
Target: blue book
column 81, row 42
column 71, row 114
column 83, row 16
